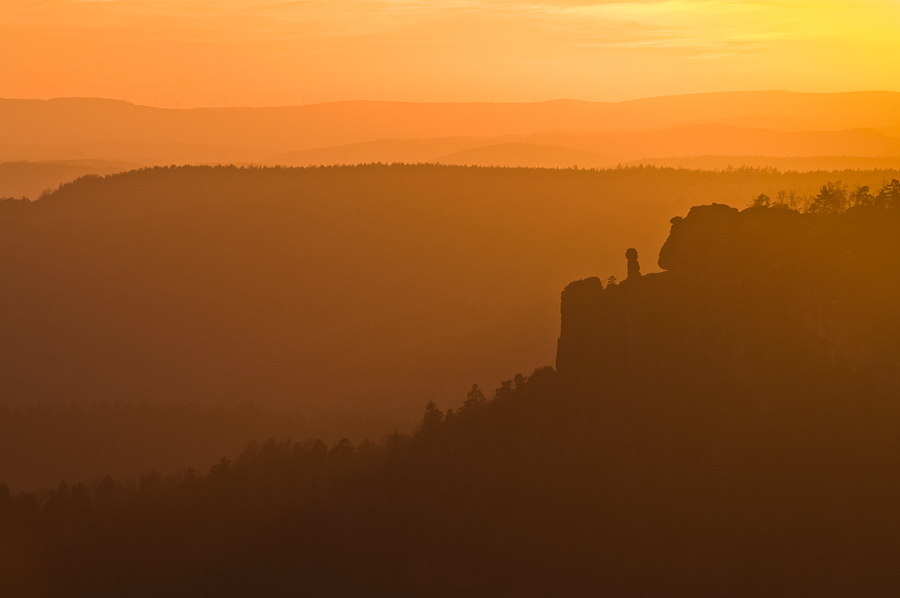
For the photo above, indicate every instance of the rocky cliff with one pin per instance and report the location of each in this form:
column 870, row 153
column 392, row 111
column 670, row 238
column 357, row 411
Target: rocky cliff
column 763, row 295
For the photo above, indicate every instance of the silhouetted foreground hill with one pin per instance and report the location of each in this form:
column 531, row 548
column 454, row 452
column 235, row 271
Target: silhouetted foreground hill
column 673, row 475
column 363, row 289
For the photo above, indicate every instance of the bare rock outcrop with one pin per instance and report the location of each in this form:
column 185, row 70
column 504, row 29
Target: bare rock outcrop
column 756, row 295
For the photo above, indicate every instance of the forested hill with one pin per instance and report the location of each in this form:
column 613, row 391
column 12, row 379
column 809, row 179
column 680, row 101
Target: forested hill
column 365, row 289
column 635, row 482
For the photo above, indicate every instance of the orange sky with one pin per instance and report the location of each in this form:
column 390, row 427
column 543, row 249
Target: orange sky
column 277, row 52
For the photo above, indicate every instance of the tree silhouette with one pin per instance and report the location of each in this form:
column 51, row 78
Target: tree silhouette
column 762, row 201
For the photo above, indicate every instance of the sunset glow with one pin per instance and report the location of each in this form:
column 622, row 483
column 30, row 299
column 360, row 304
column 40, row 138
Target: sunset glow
column 277, row 52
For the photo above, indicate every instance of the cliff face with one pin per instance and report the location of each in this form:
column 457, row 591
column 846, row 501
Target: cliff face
column 764, row 294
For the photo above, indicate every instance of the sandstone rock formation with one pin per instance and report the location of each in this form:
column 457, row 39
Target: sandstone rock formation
column 634, row 268
column 763, row 295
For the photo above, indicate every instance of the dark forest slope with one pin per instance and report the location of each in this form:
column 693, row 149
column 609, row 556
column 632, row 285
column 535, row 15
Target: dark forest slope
column 646, row 484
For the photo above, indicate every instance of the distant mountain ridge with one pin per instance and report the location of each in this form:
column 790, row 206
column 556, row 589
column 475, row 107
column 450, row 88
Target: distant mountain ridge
column 764, row 128
column 605, row 149
column 69, row 121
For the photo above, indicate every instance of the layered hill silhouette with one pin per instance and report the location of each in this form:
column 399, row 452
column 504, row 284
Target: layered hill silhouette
column 743, row 124
column 69, row 121
column 605, row 149
column 724, row 427
column 320, row 289
column 712, row 147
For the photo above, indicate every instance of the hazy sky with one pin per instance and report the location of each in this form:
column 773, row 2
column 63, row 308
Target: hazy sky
column 271, row 52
